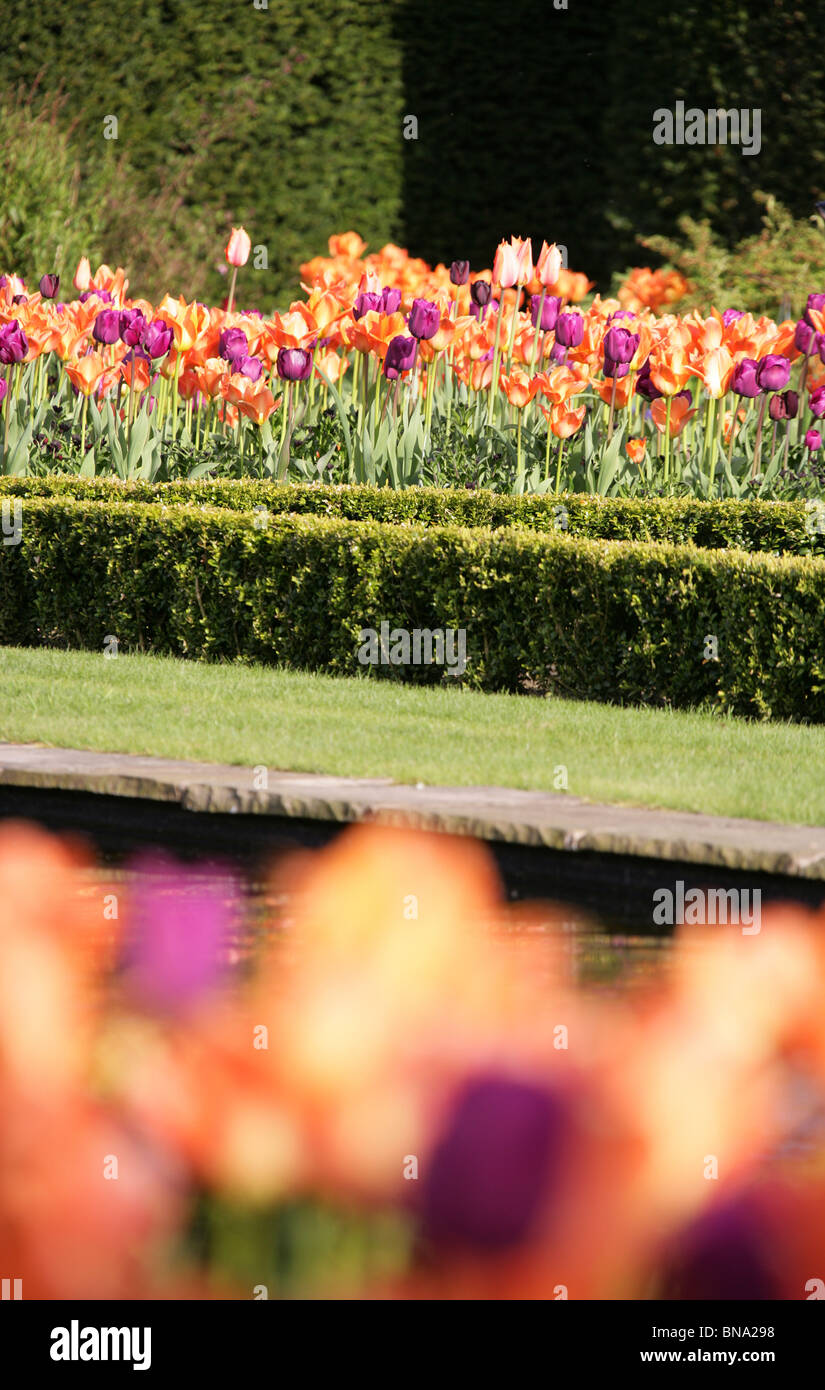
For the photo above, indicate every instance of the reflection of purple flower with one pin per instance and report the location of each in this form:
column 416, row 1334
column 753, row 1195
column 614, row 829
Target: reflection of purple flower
column 722, row 1254
column 498, row 1155
column 400, row 356
column 181, row 918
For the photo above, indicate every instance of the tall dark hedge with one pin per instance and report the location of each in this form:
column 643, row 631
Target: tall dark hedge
column 531, row 119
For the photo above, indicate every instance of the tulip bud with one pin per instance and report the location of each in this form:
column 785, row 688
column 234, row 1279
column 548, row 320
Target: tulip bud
column 569, row 330
column 744, row 381
column 460, row 272
column 238, row 247
column 49, row 286
column 400, row 356
column 816, row 401
column 13, row 343
column 390, row 300
column 620, row 346
column 233, row 344
column 784, row 406
column 157, row 338
column 773, row 372
column 480, row 292
column 813, row 440
column 294, row 364
column 815, row 301
column 366, row 303
column 549, row 312
column 644, row 384
column 425, row 319
column 106, row 328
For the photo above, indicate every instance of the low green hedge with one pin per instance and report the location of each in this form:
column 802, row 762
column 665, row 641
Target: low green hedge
column 596, row 620
column 773, row 527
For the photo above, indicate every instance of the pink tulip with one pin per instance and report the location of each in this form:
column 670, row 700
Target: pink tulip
column 238, row 247
column 83, row 274
column 548, row 265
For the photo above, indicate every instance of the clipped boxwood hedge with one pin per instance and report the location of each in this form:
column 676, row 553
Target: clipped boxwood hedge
column 774, row 527
column 591, row 619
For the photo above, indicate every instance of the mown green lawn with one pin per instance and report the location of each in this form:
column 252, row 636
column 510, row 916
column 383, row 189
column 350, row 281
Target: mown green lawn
column 373, row 728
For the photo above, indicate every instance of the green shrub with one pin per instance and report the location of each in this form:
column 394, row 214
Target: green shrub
column 783, row 527
column 773, row 272
column 625, row 623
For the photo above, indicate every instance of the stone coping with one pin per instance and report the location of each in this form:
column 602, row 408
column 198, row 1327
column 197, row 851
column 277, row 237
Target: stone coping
column 551, row 820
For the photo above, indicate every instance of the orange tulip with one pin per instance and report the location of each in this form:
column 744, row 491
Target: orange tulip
column 135, row 373
column 625, row 389
column 715, row 368
column 670, row 370
column 559, row 384
column 238, row 247
column 347, row 244
column 680, row 413
column 548, row 265
column 517, row 387
column 513, row 263
column 565, row 422
column 86, row 372
column 253, row 398
column 635, row 449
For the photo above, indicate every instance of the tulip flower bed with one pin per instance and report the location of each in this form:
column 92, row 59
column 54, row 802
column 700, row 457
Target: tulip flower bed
column 617, row 621
column 389, row 372
column 385, row 1081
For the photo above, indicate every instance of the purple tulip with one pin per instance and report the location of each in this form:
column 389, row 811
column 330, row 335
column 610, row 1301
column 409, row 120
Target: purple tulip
column 248, row 366
column 49, row 285
column 4, row 386
column 731, row 315
column 724, row 1253
column 480, row 292
column 784, row 406
column 615, row 369
column 558, row 353
column 233, row 344
column 294, row 364
column 549, row 312
column 645, row 386
column 400, row 356
column 619, row 346
column 106, row 328
column 20, row 299
column 498, row 1156
column 773, row 372
column 182, row 918
column 621, row 314
column 803, row 338
column 569, row 330
column 390, row 300
column 157, row 338
column 816, row 401
column 425, row 319
column 13, row 343
column 745, row 378
column 99, row 294
column 460, row 272
column 366, row 303
column 815, row 301
column 813, row 440
column 132, row 324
